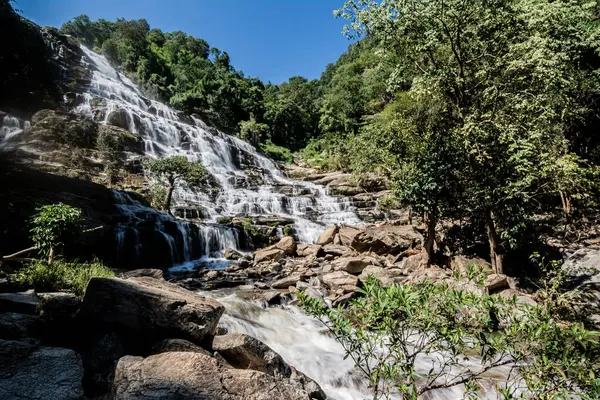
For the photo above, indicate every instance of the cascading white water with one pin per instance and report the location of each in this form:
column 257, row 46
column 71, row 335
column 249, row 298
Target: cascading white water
column 10, row 128
column 306, row 344
column 165, row 133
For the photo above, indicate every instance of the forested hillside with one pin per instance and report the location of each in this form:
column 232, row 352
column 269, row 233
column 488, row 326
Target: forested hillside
column 485, row 112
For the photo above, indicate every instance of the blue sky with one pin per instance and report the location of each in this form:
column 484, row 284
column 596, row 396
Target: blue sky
column 271, row 39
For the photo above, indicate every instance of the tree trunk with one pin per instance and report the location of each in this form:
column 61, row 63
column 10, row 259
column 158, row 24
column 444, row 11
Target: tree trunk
column 566, row 203
column 51, row 255
column 169, row 197
column 410, row 215
column 494, row 241
column 430, row 222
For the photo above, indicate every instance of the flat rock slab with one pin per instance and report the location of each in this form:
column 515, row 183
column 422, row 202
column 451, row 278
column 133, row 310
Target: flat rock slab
column 151, row 308
column 31, row 372
column 149, row 272
column 23, row 302
column 189, row 375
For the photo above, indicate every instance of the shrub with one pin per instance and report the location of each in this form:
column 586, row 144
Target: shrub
column 277, row 152
column 60, row 275
column 54, row 225
column 109, row 146
column 387, row 330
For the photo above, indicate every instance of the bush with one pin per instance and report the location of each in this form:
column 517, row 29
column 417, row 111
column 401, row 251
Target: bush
column 60, row 275
column 277, row 152
column 54, row 225
column 388, row 330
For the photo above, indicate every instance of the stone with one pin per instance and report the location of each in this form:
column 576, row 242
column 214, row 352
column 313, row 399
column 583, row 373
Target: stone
column 462, row 264
column 245, row 352
column 150, row 309
column 378, row 272
column 212, row 274
column 347, row 235
column 387, row 239
column 23, row 302
column 188, row 375
column 231, row 254
column 583, row 270
column 327, row 236
column 268, row 255
column 177, row 345
column 31, row 372
column 287, row 245
column 495, row 282
column 19, row 326
column 343, row 299
column 335, row 250
column 355, row 265
column 337, row 240
column 149, row 272
column 339, row 278
column 522, row 298
column 100, row 361
column 59, row 305
column 306, row 250
column 284, row 283
column 411, row 264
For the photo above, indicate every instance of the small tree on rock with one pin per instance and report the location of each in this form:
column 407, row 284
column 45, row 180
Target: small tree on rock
column 176, row 170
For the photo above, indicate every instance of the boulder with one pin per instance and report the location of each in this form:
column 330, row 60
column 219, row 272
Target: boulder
column 339, row 278
column 411, row 264
column 31, row 372
column 336, row 250
column 149, row 272
column 189, row 375
column 495, row 282
column 24, row 302
column 287, row 245
column 246, row 352
column 177, row 345
column 231, row 254
column 347, row 235
column 583, row 269
column 522, row 298
column 19, row 326
column 327, row 236
column 59, row 305
column 284, row 283
column 151, row 309
column 462, row 264
column 378, row 272
column 100, row 361
column 268, row 255
column 355, row 265
column 387, row 239
column 307, row 250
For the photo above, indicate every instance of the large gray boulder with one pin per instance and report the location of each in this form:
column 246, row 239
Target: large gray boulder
column 150, row 309
column 189, row 375
column 19, row 326
column 387, row 239
column 31, row 372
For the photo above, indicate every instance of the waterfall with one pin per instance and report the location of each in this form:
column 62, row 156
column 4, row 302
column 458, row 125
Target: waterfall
column 165, row 132
column 305, row 343
column 10, row 128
